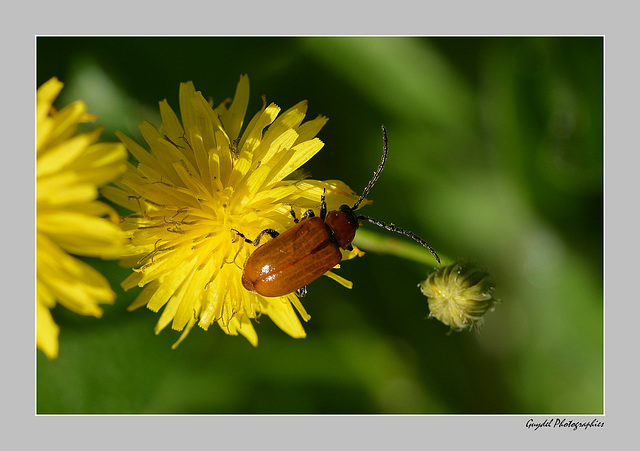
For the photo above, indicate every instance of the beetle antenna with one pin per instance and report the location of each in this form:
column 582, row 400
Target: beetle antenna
column 393, row 228
column 378, row 171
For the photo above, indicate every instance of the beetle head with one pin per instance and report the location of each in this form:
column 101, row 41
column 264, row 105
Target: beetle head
column 343, row 223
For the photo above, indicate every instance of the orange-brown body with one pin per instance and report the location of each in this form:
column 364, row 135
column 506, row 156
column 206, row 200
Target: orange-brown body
column 298, row 256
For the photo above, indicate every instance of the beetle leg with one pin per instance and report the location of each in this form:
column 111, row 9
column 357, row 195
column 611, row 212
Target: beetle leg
column 323, row 205
column 308, row 214
column 272, row 233
column 241, row 235
column 293, row 214
column 301, row 292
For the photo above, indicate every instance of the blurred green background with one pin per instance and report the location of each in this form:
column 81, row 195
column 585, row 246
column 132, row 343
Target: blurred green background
column 496, row 155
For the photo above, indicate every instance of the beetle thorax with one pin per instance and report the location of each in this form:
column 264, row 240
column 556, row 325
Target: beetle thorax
column 343, row 224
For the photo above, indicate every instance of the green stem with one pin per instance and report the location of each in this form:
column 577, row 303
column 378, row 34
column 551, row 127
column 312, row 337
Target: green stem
column 392, row 245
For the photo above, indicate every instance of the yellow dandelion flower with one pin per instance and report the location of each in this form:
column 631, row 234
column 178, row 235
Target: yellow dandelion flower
column 201, row 179
column 70, row 220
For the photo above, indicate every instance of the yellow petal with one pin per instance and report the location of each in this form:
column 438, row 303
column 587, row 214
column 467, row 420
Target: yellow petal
column 251, row 185
column 46, row 95
column 139, row 153
column 184, row 334
column 283, row 315
column 82, row 234
column 62, row 190
column 290, row 119
column 75, row 284
column 47, row 331
column 100, row 163
column 57, row 157
column 310, row 129
column 253, row 135
column 191, row 302
column 234, row 116
column 245, row 328
column 341, row 280
column 64, row 125
column 298, row 156
column 295, row 301
column 171, row 126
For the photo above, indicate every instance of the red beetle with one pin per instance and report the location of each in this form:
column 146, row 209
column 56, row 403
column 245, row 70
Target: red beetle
column 309, row 249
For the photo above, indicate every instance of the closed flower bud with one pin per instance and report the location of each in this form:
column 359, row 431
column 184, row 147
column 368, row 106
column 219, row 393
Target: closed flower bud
column 459, row 295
